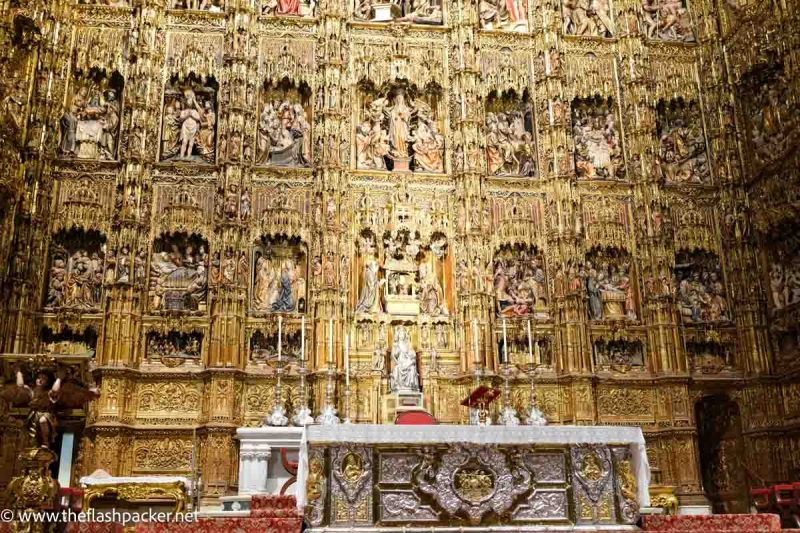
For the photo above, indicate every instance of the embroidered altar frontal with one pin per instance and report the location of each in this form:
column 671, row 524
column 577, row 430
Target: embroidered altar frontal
column 394, row 477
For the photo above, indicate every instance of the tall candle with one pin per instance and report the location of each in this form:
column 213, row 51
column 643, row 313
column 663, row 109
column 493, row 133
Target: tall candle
column 475, row 341
column 530, row 343
column 347, row 359
column 303, row 339
column 330, row 340
column 280, row 337
column 505, row 343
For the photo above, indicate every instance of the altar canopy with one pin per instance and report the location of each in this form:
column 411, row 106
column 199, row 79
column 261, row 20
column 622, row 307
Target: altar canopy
column 384, row 475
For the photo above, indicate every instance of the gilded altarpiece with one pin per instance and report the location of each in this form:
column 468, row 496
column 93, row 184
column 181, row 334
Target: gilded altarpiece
column 615, row 181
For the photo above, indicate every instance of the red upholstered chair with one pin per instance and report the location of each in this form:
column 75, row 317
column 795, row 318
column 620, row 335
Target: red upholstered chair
column 762, row 499
column 784, row 496
column 415, row 418
column 291, row 468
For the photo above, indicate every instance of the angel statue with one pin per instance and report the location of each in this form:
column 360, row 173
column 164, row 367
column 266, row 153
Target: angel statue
column 45, row 399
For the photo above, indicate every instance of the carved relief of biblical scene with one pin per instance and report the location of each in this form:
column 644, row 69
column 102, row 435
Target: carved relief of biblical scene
column 784, row 273
column 112, row 3
column 590, row 18
column 510, row 148
column 709, row 356
column 213, row 6
column 620, row 355
column 68, row 342
column 400, row 129
column 89, row 126
column 297, row 8
column 524, row 349
column 174, row 348
column 610, row 285
column 520, row 285
column 667, row 20
column 179, row 273
column 189, row 121
column 284, row 126
column 414, row 11
column 504, row 15
column 76, row 270
column 264, row 344
column 772, row 119
column 280, row 271
column 700, row 288
column 598, row 148
column 683, row 157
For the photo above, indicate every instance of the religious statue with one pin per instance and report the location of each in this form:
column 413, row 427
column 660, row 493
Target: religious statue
column 667, row 20
column 504, row 15
column 683, row 157
column 405, row 377
column 519, row 283
column 47, row 396
column 699, row 287
column 76, row 279
column 279, row 284
column 178, row 275
column 189, row 125
column 598, row 150
column 510, row 150
column 431, row 294
column 609, row 289
column 588, row 18
column 414, row 11
column 213, row 6
column 401, row 134
column 369, row 300
column 284, row 135
column 90, row 125
column 174, row 346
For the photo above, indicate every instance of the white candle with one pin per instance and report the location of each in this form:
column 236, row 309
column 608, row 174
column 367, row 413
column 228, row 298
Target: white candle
column 280, row 337
column 347, row 359
column 505, row 343
column 303, row 339
column 530, row 343
column 475, row 341
column 330, row 340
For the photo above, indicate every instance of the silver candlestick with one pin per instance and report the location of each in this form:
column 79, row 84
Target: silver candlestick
column 347, row 405
column 278, row 415
column 327, row 416
column 508, row 415
column 535, row 416
column 303, row 416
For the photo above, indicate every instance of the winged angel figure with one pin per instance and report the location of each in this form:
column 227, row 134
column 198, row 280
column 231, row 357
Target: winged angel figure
column 46, row 398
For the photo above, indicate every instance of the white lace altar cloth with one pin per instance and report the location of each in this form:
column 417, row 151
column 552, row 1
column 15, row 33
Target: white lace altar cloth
column 391, row 434
column 101, row 477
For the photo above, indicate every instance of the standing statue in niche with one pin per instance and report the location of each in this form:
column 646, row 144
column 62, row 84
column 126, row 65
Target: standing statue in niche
column 399, row 126
column 189, row 126
column 405, row 377
column 369, row 301
column 431, row 295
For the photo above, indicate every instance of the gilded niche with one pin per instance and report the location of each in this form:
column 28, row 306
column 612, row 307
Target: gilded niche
column 520, row 282
column 610, row 286
column 179, row 273
column 280, row 273
column 598, row 145
column 284, row 125
column 76, row 270
column 700, row 289
column 682, row 157
column 264, row 343
column 510, row 149
column 415, row 11
column 667, row 20
column 784, row 273
column 174, row 348
column 618, row 354
column 504, row 15
column 399, row 128
column 90, row 123
column 591, row 18
column 189, row 120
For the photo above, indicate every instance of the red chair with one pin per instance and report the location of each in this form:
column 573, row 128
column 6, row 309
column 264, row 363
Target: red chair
column 762, row 499
column 291, row 468
column 415, row 418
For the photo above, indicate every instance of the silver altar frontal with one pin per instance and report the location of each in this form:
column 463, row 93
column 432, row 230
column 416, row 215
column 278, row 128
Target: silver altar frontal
column 412, row 478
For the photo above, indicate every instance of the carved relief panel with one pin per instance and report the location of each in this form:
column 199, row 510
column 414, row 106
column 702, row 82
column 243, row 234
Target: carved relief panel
column 610, row 284
column 179, row 273
column 504, row 15
column 700, row 287
column 280, row 274
column 520, row 284
column 667, row 20
column 598, row 142
column 510, row 145
column 189, row 121
column 284, row 125
column 76, row 270
column 593, row 18
column 174, row 348
column 683, row 157
column 417, row 12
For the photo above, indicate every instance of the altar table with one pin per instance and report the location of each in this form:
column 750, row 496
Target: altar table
column 385, row 476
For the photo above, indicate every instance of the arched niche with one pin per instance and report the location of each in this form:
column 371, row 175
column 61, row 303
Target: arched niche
column 504, row 15
column 621, row 355
column 598, row 143
column 178, row 273
column 399, row 127
column 284, row 124
column 263, row 343
column 77, row 266
column 418, row 12
column 610, row 284
column 69, row 342
column 174, row 348
column 189, row 120
column 520, row 283
column 279, row 276
column 510, row 144
column 700, row 287
column 682, row 146
column 90, row 124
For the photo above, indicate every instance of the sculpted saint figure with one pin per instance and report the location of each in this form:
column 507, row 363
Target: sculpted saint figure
column 404, row 363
